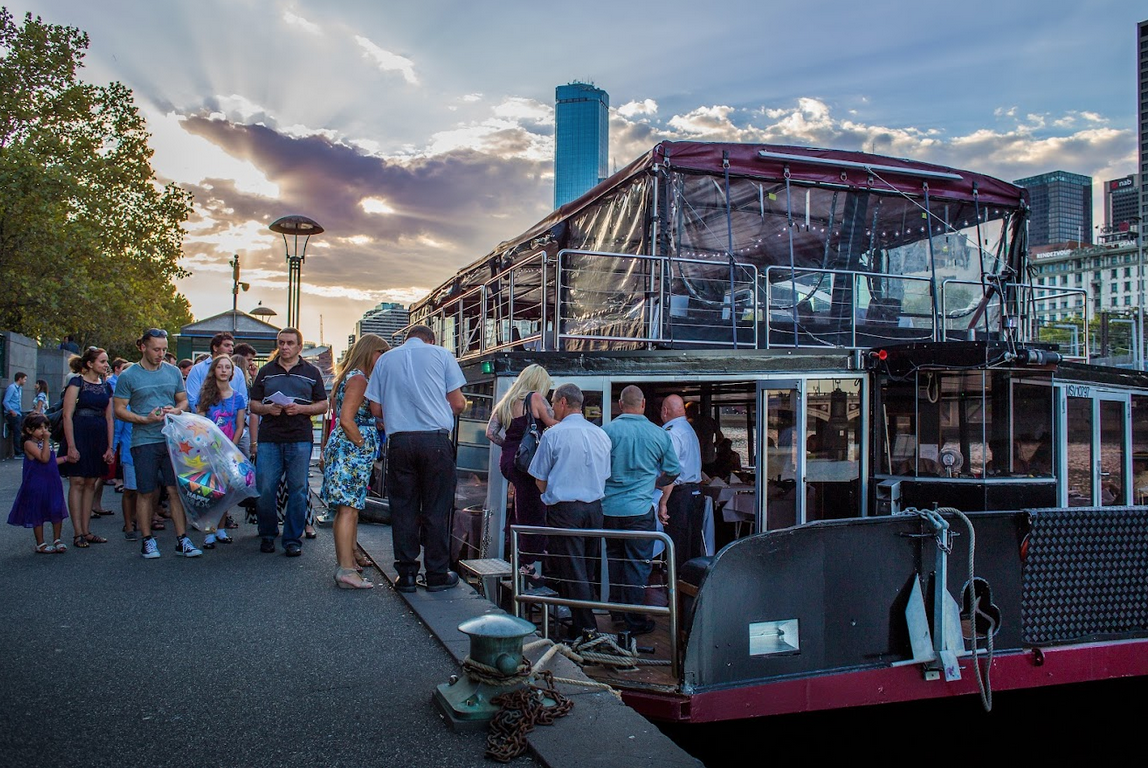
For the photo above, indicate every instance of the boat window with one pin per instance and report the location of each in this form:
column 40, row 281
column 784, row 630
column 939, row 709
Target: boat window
column 832, row 448
column 966, row 424
column 1078, row 445
column 473, row 447
column 1112, row 478
column 1140, row 449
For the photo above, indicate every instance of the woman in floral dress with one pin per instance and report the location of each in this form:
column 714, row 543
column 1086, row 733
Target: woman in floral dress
column 349, row 454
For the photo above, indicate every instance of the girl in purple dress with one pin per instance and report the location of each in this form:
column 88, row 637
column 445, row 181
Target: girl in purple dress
column 227, row 409
column 41, row 496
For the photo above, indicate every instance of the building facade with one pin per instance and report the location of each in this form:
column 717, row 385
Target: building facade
column 1061, row 208
column 1121, row 209
column 386, row 320
column 581, row 140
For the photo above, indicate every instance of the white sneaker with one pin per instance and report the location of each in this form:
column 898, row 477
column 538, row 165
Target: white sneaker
column 184, row 548
column 150, row 548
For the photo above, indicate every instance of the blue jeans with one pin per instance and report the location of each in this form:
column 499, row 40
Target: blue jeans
column 630, row 564
column 274, row 461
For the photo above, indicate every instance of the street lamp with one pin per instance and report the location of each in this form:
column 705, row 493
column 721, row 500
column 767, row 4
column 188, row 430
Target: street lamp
column 235, row 288
column 295, row 226
column 1139, row 357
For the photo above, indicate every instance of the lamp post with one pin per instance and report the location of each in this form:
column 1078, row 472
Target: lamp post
column 295, row 227
column 235, row 288
column 1139, row 358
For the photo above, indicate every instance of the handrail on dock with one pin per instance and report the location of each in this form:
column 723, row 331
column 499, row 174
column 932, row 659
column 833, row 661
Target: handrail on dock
column 671, row 610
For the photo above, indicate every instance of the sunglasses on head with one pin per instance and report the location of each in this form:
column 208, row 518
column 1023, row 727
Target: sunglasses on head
column 155, row 333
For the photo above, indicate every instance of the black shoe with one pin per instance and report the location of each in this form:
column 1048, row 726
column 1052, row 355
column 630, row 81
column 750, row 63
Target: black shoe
column 405, row 583
column 642, row 629
column 440, row 583
column 267, row 546
column 292, row 550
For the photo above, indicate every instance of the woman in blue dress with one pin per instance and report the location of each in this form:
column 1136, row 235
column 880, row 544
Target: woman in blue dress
column 349, row 454
column 88, row 427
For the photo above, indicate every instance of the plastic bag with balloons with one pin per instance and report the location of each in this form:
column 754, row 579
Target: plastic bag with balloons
column 212, row 475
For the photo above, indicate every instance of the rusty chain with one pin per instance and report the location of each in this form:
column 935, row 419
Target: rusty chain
column 519, row 712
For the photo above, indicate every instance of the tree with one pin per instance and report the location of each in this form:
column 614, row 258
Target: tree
column 89, row 239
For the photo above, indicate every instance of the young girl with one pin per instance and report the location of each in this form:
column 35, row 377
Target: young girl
column 41, row 495
column 228, row 410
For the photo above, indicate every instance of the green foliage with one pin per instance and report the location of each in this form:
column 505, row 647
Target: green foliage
column 89, row 239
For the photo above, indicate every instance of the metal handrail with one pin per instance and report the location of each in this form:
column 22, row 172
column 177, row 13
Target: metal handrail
column 664, row 276
column 600, row 533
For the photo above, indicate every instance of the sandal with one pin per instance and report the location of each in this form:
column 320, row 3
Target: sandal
column 92, row 538
column 44, row 549
column 230, row 523
column 79, row 542
column 60, row 546
column 157, row 524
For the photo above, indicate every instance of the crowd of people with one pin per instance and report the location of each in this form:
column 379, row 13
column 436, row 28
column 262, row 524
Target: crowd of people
column 628, row 476
column 112, row 415
column 566, row 472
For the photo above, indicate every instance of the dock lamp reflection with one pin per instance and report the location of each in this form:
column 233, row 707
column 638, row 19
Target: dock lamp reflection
column 293, row 228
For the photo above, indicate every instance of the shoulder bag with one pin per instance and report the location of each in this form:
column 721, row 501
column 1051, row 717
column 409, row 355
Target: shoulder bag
column 529, row 444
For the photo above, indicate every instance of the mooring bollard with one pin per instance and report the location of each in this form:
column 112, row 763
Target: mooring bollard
column 494, row 666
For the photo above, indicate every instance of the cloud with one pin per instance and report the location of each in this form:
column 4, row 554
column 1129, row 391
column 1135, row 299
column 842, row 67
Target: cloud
column 298, row 21
column 524, row 110
column 387, row 61
column 643, row 107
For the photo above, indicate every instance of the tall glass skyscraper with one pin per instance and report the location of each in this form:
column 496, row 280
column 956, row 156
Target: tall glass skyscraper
column 1061, row 208
column 581, row 139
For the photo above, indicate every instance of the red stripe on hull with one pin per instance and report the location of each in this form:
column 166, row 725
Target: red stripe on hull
column 1010, row 671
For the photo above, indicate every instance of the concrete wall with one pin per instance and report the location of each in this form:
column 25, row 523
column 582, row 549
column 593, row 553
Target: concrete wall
column 52, row 367
column 20, row 356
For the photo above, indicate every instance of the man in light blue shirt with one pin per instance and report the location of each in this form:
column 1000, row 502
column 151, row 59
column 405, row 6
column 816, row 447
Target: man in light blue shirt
column 221, row 344
column 681, row 505
column 416, row 389
column 571, row 467
column 642, row 458
column 14, row 411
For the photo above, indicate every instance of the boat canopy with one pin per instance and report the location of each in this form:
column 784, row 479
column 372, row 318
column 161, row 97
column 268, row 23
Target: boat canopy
column 691, row 228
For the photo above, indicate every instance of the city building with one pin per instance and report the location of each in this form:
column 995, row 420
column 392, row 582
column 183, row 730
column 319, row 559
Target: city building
column 1121, row 209
column 1142, row 91
column 1061, row 208
column 386, row 320
column 581, row 140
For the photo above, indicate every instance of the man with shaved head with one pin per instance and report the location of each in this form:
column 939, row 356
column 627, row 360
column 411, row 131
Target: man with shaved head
column 681, row 505
column 642, row 462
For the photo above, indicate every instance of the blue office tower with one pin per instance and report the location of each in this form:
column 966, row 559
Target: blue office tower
column 581, row 140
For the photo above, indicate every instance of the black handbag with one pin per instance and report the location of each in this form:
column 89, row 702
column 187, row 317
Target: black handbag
column 529, row 444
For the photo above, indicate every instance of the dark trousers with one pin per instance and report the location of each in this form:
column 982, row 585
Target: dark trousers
column 630, row 563
column 687, row 508
column 14, row 423
column 567, row 558
column 421, row 479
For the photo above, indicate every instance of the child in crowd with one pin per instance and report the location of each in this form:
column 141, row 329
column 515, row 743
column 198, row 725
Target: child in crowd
column 41, row 496
column 227, row 409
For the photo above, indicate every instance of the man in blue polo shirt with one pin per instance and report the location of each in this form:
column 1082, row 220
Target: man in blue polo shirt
column 642, row 458
column 14, row 411
column 416, row 389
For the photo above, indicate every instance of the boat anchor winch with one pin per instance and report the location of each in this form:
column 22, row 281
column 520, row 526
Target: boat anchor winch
column 495, row 665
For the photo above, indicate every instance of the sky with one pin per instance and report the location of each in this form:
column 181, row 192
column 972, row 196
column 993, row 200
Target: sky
column 420, row 135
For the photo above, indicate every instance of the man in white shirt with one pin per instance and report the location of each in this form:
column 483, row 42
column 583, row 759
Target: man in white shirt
column 571, row 468
column 416, row 389
column 681, row 507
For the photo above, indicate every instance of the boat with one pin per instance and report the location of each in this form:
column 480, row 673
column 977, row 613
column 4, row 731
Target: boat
column 935, row 499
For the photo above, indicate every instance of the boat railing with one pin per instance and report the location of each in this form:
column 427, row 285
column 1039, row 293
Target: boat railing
column 670, row 611
column 507, row 311
column 576, row 300
column 814, row 307
column 651, row 301
column 1072, row 334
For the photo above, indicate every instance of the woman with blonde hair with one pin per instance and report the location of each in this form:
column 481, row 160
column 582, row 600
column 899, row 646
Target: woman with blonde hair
column 349, row 454
column 507, row 426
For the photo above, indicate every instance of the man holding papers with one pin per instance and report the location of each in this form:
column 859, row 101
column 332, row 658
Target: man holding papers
column 285, row 394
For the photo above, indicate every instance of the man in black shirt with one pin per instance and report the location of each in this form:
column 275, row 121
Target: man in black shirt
column 285, row 394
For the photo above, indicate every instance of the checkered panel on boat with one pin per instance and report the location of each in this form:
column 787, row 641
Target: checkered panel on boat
column 1086, row 574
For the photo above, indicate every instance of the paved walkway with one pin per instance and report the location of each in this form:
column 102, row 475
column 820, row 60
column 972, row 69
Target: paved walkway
column 236, row 658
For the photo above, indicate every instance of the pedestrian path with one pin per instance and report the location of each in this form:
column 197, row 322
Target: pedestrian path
column 235, row 658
